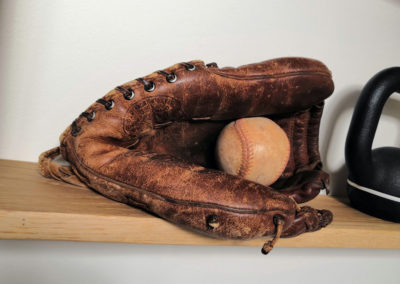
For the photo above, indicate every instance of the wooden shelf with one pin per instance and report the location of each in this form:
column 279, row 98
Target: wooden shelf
column 33, row 207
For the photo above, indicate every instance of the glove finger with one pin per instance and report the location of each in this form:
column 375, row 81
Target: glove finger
column 52, row 165
column 277, row 86
column 303, row 186
column 202, row 199
column 308, row 220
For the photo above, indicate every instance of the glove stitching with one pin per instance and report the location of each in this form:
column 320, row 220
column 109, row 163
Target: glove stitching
column 270, row 76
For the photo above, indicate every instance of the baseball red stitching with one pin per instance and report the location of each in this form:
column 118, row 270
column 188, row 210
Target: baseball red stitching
column 247, row 149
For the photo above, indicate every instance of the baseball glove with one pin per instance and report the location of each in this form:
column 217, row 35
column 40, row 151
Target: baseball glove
column 150, row 143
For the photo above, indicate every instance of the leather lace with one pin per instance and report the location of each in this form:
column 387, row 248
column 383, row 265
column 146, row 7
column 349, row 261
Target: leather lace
column 170, row 77
column 269, row 245
column 128, row 94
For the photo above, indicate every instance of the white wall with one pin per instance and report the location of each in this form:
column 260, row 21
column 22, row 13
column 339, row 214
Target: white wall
column 98, row 263
column 57, row 57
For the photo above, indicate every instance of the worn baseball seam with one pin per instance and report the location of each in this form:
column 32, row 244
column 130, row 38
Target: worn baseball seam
column 247, row 149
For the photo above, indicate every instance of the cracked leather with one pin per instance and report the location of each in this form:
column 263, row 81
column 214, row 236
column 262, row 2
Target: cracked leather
column 156, row 151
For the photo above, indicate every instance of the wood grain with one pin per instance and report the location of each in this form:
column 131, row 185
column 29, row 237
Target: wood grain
column 33, row 207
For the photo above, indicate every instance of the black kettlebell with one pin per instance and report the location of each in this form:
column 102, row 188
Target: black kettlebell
column 373, row 185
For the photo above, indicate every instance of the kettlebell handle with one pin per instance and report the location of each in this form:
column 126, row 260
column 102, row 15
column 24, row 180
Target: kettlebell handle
column 366, row 118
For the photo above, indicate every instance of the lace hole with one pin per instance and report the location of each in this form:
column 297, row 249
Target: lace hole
column 74, row 133
column 171, row 78
column 91, row 116
column 150, row 87
column 110, row 105
column 277, row 218
column 75, row 130
column 212, row 65
column 190, row 67
column 130, row 95
column 212, row 222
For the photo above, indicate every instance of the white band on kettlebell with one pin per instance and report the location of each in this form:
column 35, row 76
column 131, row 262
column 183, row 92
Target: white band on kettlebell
column 374, row 192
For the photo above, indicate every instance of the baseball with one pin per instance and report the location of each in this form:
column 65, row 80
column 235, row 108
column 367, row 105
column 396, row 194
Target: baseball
column 253, row 148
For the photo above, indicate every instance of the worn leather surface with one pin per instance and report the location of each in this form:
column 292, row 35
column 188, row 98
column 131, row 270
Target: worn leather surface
column 156, row 151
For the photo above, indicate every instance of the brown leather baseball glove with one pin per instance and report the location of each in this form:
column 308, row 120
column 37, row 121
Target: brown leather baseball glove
column 150, row 143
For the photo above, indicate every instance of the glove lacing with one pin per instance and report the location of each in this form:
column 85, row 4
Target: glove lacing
column 128, row 94
column 269, row 245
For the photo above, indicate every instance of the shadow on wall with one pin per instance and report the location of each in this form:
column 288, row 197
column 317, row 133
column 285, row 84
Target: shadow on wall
column 394, row 2
column 338, row 176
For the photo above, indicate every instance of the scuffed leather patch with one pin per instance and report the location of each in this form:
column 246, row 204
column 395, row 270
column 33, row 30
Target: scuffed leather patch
column 148, row 113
